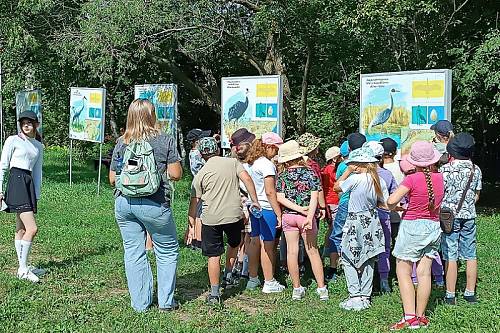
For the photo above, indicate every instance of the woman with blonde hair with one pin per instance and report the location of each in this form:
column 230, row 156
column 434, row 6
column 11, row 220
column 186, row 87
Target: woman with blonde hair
column 146, row 207
column 363, row 236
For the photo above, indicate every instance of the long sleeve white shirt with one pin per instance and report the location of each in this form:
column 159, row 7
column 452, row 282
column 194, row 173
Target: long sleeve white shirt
column 24, row 153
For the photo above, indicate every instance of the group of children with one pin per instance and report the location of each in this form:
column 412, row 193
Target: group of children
column 372, row 198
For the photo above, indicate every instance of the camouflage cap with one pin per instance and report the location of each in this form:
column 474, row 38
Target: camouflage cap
column 308, row 142
column 208, row 146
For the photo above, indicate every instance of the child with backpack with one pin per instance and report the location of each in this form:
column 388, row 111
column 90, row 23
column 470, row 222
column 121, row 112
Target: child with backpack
column 363, row 237
column 297, row 191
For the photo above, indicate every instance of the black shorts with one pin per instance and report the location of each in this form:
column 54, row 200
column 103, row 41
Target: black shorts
column 212, row 237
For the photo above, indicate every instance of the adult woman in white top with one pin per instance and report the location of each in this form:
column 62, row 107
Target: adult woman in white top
column 22, row 154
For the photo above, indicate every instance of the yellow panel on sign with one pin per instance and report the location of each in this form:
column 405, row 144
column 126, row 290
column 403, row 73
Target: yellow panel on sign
column 33, row 98
column 428, row 89
column 267, row 90
column 165, row 96
column 95, row 98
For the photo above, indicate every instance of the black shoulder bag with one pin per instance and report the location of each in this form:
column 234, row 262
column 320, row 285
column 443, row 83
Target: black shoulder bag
column 447, row 215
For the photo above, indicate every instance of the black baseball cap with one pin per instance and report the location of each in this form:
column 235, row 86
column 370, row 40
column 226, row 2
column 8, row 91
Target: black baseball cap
column 443, row 127
column 196, row 134
column 28, row 115
column 390, row 146
column 355, row 140
column 461, row 146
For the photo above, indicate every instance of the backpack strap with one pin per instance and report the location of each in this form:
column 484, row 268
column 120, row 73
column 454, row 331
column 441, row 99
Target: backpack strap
column 466, row 189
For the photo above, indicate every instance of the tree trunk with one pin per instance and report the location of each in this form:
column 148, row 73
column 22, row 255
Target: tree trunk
column 301, row 123
column 112, row 117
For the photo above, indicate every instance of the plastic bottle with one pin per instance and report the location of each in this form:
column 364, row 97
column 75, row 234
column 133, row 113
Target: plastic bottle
column 256, row 212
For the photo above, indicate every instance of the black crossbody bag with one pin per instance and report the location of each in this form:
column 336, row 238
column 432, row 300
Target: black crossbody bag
column 447, row 215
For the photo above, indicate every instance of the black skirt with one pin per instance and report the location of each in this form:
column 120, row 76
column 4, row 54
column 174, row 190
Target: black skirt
column 20, row 196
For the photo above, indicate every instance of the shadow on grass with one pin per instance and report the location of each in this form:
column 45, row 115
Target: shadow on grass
column 83, row 255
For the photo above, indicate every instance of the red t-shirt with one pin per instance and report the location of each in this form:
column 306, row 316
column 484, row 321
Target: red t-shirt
column 328, row 180
column 418, row 198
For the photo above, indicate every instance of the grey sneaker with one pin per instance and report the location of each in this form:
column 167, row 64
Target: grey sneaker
column 252, row 283
column 299, row 293
column 322, row 293
column 353, row 304
column 272, row 287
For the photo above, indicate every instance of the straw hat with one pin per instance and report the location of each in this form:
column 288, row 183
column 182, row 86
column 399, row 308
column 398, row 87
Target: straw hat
column 288, row 151
column 308, row 142
column 332, row 153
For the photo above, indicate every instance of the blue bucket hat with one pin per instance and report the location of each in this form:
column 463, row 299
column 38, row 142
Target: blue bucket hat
column 362, row 155
column 344, row 149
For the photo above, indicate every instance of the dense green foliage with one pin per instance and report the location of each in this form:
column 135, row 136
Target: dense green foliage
column 118, row 43
column 85, row 289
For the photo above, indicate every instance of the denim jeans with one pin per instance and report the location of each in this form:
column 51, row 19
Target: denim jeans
column 135, row 216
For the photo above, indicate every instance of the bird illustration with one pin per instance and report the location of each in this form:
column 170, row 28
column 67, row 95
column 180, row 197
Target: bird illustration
column 77, row 114
column 382, row 117
column 237, row 110
column 421, row 118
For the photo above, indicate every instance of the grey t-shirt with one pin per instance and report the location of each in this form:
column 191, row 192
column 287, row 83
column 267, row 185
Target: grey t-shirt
column 164, row 151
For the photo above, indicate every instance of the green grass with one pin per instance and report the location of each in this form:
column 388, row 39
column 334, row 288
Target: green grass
column 85, row 288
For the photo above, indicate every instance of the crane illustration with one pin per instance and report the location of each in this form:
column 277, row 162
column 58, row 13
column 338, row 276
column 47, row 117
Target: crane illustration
column 384, row 115
column 237, row 110
column 76, row 114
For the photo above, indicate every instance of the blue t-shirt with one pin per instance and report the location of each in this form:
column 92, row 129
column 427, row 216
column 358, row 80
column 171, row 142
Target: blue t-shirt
column 344, row 198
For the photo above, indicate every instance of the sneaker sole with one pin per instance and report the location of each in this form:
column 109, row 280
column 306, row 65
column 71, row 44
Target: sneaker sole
column 272, row 291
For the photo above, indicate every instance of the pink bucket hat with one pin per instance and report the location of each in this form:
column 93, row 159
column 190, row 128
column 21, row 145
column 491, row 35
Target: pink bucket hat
column 423, row 154
column 406, row 166
column 271, row 138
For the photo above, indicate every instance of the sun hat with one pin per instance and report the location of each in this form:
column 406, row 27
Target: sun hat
column 423, row 154
column 241, row 135
column 461, row 146
column 288, row 151
column 344, row 149
column 271, row 138
column 404, row 165
column 362, row 155
column 390, row 145
column 196, row 134
column 443, row 127
column 208, row 146
column 308, row 142
column 378, row 150
column 356, row 140
column 332, row 153
column 28, row 115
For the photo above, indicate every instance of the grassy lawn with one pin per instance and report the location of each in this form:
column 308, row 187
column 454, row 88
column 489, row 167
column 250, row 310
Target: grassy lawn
column 85, row 289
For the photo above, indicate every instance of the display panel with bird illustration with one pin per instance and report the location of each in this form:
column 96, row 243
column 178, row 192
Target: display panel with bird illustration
column 404, row 105
column 254, row 103
column 86, row 120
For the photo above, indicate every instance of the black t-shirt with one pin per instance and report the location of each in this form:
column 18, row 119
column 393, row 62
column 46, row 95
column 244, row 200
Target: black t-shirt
column 164, row 151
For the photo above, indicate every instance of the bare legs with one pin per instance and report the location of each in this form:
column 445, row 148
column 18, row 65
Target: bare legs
column 407, row 290
column 452, row 272
column 26, row 228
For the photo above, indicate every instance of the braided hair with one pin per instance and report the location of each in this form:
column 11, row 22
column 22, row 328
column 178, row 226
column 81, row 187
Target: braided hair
column 430, row 189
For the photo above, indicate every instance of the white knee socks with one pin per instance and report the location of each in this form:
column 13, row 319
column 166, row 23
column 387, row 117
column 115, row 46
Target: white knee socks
column 17, row 242
column 23, row 256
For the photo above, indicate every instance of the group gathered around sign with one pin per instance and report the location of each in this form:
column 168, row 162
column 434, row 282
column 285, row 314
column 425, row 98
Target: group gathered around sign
column 268, row 197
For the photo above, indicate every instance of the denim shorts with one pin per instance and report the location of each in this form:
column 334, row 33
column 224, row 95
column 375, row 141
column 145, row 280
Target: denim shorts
column 416, row 239
column 338, row 224
column 461, row 243
column 265, row 227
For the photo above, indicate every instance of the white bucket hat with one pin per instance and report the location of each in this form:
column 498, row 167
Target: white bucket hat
column 362, row 155
column 378, row 149
column 332, row 153
column 288, row 151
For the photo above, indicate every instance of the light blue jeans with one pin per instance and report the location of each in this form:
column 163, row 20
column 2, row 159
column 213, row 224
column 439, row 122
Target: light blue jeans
column 134, row 216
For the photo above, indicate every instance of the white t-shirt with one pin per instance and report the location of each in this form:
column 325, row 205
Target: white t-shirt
column 395, row 170
column 363, row 196
column 260, row 169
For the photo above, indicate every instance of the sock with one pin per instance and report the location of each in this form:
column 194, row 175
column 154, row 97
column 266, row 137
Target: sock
column 409, row 316
column 468, row 293
column 254, row 279
column 270, row 281
column 297, row 289
column 214, row 290
column 244, row 269
column 321, row 289
column 17, row 242
column 450, row 294
column 25, row 251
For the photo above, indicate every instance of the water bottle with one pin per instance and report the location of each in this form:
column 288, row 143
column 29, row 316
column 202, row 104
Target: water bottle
column 256, row 212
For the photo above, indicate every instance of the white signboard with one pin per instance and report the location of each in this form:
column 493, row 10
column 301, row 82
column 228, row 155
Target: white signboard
column 404, row 105
column 254, row 103
column 86, row 121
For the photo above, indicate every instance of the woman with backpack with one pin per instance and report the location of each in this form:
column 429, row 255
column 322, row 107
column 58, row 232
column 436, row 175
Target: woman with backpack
column 419, row 234
column 142, row 158
column 22, row 155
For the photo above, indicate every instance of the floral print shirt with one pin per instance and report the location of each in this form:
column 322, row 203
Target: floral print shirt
column 297, row 183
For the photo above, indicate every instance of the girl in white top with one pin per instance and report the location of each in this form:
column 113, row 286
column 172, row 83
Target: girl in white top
column 22, row 154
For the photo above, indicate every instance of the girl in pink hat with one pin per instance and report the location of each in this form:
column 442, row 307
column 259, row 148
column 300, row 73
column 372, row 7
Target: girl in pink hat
column 419, row 233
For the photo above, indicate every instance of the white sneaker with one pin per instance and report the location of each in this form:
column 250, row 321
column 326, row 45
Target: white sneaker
column 298, row 293
column 366, row 302
column 272, row 286
column 27, row 275
column 322, row 293
column 353, row 304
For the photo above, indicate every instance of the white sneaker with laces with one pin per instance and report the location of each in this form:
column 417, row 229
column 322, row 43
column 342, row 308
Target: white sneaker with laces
column 272, row 286
column 27, row 275
column 322, row 293
column 298, row 293
column 353, row 304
